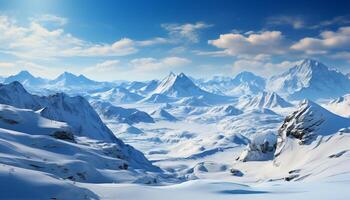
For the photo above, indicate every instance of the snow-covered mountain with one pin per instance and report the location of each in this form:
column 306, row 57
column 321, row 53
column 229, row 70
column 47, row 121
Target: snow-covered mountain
column 312, row 142
column 309, row 121
column 263, row 100
column 180, row 86
column 68, row 79
column 158, row 98
column 118, row 95
column 161, row 114
column 227, row 110
column 26, row 79
column 14, row 94
column 149, row 87
column 78, row 113
column 63, row 137
column 340, row 106
column 122, row 115
column 75, row 111
column 309, row 139
column 310, row 79
column 134, row 85
column 192, row 101
column 243, row 83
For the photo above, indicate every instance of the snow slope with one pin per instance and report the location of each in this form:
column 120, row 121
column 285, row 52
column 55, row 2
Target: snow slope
column 162, row 114
column 30, row 141
column 268, row 100
column 340, row 106
column 69, row 130
column 122, row 115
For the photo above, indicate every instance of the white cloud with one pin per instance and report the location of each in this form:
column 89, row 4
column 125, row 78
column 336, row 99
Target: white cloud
column 328, row 40
column 50, row 19
column 6, row 65
column 106, row 66
column 344, row 55
column 37, row 41
column 265, row 42
column 185, row 31
column 151, row 64
column 297, row 22
column 10, row 68
column 339, row 20
column 261, row 67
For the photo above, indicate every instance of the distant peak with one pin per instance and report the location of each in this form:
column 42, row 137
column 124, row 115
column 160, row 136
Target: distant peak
column 24, row 72
column 81, row 76
column 172, row 74
column 309, row 61
column 307, row 103
column 182, row 74
column 67, row 74
column 246, row 73
column 311, row 64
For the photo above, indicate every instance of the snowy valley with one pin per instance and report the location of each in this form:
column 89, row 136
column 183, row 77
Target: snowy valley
column 239, row 137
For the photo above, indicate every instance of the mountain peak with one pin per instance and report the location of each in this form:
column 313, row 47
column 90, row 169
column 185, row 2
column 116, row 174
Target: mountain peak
column 25, row 73
column 67, row 74
column 70, row 79
column 245, row 74
column 15, row 85
column 264, row 100
column 171, row 74
column 177, row 85
column 310, row 64
column 310, row 79
column 306, row 123
column 25, row 78
column 182, row 75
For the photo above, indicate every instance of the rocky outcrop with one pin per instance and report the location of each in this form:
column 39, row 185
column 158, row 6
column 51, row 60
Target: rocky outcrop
column 260, row 148
column 307, row 123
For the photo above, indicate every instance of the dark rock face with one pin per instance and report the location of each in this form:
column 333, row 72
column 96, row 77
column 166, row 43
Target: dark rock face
column 64, row 135
column 301, row 124
column 236, row 172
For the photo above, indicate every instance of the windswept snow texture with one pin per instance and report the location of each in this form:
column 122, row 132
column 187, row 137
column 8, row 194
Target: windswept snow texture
column 242, row 137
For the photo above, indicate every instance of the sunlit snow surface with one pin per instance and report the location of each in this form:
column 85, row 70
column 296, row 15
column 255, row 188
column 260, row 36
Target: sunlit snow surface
column 191, row 139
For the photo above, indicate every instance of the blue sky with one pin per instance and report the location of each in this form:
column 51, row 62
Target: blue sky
column 111, row 40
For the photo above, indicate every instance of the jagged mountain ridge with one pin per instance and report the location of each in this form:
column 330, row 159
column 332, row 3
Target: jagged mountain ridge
column 263, row 100
column 26, row 79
